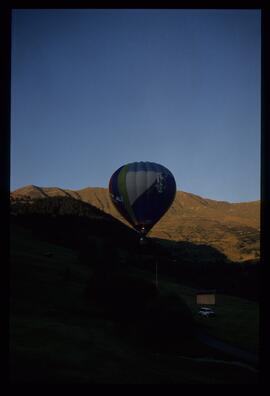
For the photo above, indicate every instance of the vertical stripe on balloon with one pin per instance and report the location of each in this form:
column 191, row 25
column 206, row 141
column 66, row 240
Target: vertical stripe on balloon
column 123, row 191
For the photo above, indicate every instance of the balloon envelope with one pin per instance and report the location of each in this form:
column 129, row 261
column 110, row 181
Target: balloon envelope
column 142, row 192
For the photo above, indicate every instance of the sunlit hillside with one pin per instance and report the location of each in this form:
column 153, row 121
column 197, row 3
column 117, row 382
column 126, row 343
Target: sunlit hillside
column 232, row 228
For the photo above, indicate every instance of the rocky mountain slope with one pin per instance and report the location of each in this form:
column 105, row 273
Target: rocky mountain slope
column 232, row 228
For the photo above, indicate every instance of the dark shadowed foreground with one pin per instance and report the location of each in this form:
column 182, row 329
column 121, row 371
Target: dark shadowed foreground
column 85, row 309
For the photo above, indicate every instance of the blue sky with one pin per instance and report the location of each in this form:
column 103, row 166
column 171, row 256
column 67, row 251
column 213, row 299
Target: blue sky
column 95, row 89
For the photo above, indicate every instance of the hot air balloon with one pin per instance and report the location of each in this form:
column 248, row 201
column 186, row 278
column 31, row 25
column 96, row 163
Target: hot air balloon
column 142, row 192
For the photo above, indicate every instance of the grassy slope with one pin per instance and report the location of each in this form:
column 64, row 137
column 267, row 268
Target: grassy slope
column 236, row 321
column 56, row 337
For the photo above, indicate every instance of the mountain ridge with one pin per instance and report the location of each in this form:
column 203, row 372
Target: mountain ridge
column 232, row 228
column 24, row 189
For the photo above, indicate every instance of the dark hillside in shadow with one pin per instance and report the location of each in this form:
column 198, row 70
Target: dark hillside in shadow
column 93, row 234
column 94, row 316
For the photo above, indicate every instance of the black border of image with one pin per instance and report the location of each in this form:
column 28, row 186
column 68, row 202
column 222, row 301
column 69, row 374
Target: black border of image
column 5, row 139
